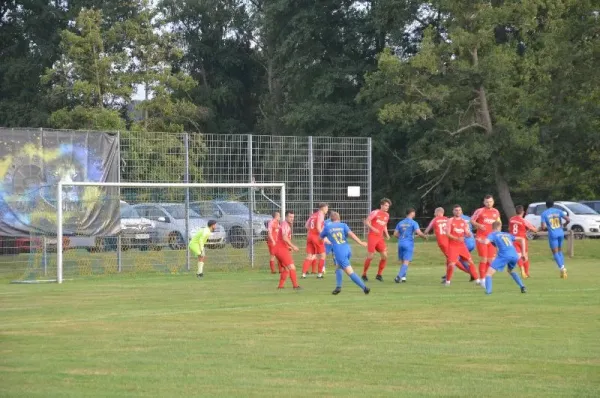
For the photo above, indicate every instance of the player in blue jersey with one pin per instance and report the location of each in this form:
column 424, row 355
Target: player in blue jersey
column 506, row 254
column 405, row 232
column 328, row 246
column 336, row 233
column 552, row 220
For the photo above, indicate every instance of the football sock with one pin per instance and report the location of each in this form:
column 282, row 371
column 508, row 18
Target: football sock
column 283, row 277
column 382, row 264
column 338, row 277
column 306, row 266
column 321, row 265
column 482, row 270
column 449, row 272
column 516, row 278
column 526, row 266
column 473, row 271
column 557, row 259
column 272, row 265
column 314, row 266
column 488, row 284
column 356, row 279
column 403, row 270
column 294, row 277
column 367, row 265
column 562, row 258
column 200, row 267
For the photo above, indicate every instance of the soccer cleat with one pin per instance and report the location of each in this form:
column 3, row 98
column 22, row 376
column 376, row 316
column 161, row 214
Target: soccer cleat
column 303, row 276
column 201, row 275
column 367, row 290
column 472, row 279
column 320, row 276
column 273, row 272
column 397, row 280
column 364, row 278
column 337, row 291
column 280, row 288
column 477, row 282
column 447, row 283
column 379, row 278
column 563, row 273
column 523, row 289
column 298, row 288
column 403, row 279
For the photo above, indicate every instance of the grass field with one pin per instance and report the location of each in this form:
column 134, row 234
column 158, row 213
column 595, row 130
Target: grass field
column 233, row 334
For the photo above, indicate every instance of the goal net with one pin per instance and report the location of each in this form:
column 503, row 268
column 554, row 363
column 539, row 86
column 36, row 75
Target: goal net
column 142, row 228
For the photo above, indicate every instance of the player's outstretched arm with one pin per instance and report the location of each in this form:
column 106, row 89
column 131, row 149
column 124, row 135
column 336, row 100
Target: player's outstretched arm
column 357, row 239
column 421, row 234
column 567, row 220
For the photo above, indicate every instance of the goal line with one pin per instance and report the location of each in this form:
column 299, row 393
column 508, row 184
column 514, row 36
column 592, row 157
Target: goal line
column 61, row 202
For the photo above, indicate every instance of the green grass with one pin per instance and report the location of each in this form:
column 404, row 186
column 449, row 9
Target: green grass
column 233, row 334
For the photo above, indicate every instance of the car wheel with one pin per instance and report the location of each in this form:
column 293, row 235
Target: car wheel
column 237, row 238
column 175, row 241
column 578, row 231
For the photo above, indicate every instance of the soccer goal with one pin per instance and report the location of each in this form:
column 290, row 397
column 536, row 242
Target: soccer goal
column 139, row 228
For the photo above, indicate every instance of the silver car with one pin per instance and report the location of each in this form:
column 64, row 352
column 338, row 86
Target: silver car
column 235, row 217
column 170, row 223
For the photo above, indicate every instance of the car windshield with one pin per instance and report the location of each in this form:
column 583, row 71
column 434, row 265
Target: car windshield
column 580, row 209
column 128, row 211
column 178, row 212
column 236, row 208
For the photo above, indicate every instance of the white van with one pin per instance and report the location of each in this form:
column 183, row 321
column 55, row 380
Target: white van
column 585, row 221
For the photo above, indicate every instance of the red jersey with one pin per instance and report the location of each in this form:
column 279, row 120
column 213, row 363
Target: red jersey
column 273, row 230
column 518, row 226
column 486, row 217
column 315, row 222
column 284, row 230
column 438, row 224
column 458, row 228
column 379, row 220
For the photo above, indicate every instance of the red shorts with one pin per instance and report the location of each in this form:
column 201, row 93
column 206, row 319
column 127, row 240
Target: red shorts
column 456, row 252
column 486, row 251
column 519, row 248
column 272, row 248
column 314, row 245
column 376, row 244
column 284, row 256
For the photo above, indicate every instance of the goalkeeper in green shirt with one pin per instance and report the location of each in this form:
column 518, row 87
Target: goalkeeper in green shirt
column 197, row 245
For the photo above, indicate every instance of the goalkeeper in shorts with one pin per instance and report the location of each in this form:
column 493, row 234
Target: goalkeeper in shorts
column 197, row 245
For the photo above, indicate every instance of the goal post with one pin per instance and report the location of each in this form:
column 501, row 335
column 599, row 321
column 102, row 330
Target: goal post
column 268, row 195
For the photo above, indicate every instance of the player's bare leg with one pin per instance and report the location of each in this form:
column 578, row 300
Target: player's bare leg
column 366, row 266
column 307, row 263
column 321, row 259
column 382, row 263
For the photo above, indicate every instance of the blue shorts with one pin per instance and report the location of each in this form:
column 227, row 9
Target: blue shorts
column 555, row 241
column 405, row 252
column 328, row 249
column 342, row 257
column 500, row 262
column 470, row 242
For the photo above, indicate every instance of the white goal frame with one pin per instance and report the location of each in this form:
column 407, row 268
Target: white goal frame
column 61, row 185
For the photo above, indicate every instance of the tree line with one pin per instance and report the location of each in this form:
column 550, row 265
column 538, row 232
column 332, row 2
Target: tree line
column 461, row 98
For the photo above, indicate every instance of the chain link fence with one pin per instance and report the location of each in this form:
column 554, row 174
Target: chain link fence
column 314, row 169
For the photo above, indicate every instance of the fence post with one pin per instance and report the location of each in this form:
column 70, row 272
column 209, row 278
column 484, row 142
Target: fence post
column 44, row 255
column 571, row 243
column 119, row 243
column 311, row 176
column 369, row 177
column 186, row 179
column 251, row 207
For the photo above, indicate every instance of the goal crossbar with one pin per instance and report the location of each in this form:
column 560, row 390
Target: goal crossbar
column 61, row 185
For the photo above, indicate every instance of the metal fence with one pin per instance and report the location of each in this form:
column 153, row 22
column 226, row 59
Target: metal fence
column 314, row 169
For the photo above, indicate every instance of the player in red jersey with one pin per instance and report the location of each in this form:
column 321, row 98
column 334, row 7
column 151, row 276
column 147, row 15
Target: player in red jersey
column 482, row 220
column 377, row 223
column 283, row 249
column 315, row 248
column 272, row 232
column 456, row 230
column 518, row 227
column 438, row 225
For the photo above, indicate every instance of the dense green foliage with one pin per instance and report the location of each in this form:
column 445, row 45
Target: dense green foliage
column 461, row 98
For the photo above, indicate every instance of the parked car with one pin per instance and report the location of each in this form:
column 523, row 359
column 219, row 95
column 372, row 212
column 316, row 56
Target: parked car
column 594, row 204
column 170, row 223
column 235, row 218
column 585, row 221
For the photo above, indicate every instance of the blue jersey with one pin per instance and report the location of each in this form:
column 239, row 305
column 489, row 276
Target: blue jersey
column 337, row 233
column 553, row 220
column 468, row 220
column 406, row 231
column 504, row 244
